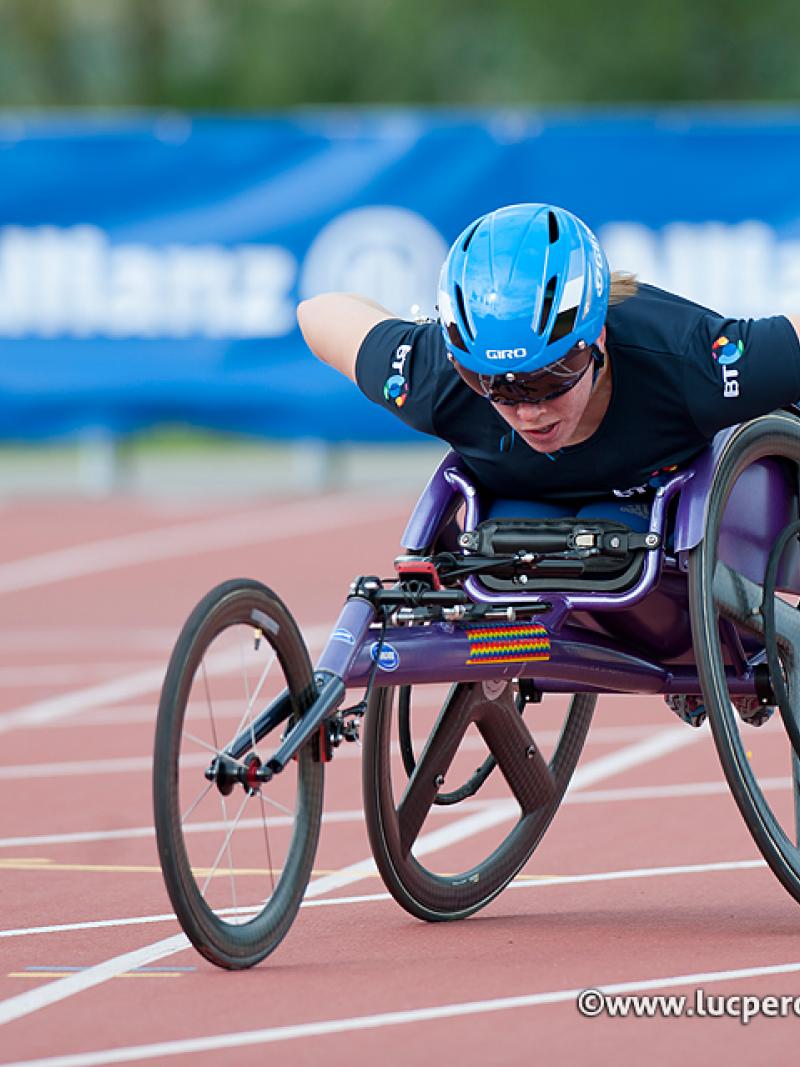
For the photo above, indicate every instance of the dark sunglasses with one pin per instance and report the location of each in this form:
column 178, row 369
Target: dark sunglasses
column 536, row 386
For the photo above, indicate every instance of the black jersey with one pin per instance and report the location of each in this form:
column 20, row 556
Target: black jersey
column 680, row 373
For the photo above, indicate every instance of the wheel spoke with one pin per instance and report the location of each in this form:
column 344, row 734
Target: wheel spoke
column 796, row 796
column 248, row 711
column 207, row 689
column 229, row 849
column 248, row 696
column 245, row 677
column 224, row 847
column 275, row 804
column 266, row 842
column 517, row 754
column 433, row 764
column 200, row 798
column 209, row 748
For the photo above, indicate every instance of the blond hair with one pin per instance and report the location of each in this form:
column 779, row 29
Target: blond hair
column 624, row 285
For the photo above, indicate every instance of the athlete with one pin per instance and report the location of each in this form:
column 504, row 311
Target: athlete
column 565, row 389
column 553, row 379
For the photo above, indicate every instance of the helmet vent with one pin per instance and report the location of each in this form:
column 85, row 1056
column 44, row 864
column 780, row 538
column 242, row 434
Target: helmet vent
column 547, row 304
column 469, row 236
column 454, row 334
column 462, row 313
column 564, row 324
column 552, row 224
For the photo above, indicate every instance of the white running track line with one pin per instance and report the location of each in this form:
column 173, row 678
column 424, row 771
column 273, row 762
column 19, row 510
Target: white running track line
column 85, row 638
column 590, row 796
column 539, row 882
column 642, row 872
column 97, row 768
column 81, row 837
column 271, row 1035
column 129, row 764
column 44, row 711
column 503, row 810
column 88, row 640
column 281, row 523
column 668, row 740
column 42, row 675
column 93, row 696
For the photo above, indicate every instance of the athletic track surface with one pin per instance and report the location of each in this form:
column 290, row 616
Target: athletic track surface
column 647, row 880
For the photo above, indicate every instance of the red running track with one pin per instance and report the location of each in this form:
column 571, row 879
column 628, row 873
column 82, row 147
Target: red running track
column 647, row 880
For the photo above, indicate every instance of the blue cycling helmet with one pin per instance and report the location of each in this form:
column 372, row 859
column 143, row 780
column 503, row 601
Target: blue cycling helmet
column 520, row 287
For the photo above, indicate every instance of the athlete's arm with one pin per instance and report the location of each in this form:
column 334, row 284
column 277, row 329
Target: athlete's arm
column 335, row 324
column 795, row 322
column 738, row 369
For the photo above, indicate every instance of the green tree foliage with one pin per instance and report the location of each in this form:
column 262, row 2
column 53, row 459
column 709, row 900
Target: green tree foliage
column 262, row 54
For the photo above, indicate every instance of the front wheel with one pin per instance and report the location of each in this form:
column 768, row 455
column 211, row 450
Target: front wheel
column 236, row 855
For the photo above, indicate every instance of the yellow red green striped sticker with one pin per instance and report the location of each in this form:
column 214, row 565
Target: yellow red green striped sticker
column 508, row 644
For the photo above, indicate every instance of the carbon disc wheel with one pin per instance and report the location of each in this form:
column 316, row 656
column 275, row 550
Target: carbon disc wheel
column 502, row 828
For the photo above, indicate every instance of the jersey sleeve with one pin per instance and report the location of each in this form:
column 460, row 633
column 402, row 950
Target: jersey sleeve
column 737, row 369
column 399, row 367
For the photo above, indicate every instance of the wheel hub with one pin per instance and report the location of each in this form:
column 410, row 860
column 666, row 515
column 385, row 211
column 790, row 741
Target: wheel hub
column 225, row 773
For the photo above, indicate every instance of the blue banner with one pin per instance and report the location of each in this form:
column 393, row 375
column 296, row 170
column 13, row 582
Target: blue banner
column 150, row 266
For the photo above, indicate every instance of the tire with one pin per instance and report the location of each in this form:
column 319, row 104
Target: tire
column 235, row 866
column 395, row 806
column 717, row 595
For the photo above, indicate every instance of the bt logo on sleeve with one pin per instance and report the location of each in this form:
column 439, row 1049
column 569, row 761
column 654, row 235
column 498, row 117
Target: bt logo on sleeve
column 395, row 388
column 726, row 353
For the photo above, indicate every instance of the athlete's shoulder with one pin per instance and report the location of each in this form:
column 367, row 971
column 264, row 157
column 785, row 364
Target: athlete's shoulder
column 656, row 320
column 421, row 336
column 400, row 349
column 403, row 365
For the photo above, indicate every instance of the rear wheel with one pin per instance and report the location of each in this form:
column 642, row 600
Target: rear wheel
column 482, row 716
column 760, row 763
column 236, row 855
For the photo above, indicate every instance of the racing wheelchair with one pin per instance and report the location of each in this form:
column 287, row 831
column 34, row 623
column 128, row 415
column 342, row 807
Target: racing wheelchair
column 510, row 614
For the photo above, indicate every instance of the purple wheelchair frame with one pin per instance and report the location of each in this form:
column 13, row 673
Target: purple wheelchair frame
column 637, row 640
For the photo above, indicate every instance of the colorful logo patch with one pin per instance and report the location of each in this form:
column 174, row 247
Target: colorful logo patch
column 395, row 390
column 726, row 352
column 508, row 644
